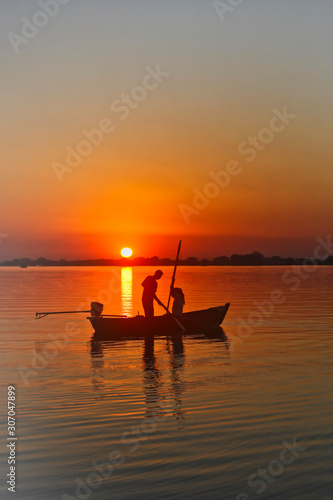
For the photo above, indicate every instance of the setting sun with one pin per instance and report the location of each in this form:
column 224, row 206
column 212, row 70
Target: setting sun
column 126, row 252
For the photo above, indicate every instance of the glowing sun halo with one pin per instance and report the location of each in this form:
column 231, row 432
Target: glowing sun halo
column 126, row 252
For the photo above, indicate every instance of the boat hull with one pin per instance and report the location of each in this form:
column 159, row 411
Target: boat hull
column 195, row 322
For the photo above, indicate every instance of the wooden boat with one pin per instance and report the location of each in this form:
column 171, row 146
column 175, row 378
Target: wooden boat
column 203, row 321
column 107, row 327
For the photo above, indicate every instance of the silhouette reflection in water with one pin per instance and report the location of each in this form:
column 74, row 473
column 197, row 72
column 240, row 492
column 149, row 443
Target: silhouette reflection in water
column 97, row 366
column 156, row 390
column 152, row 377
column 175, row 349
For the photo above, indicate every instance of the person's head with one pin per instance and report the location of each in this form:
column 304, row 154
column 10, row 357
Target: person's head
column 158, row 274
column 178, row 292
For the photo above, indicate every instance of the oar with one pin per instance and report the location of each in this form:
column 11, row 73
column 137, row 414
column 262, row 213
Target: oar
column 95, row 311
column 174, row 273
column 43, row 314
column 174, row 317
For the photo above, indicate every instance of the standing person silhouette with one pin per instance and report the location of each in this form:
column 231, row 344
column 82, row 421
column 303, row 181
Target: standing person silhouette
column 178, row 302
column 149, row 293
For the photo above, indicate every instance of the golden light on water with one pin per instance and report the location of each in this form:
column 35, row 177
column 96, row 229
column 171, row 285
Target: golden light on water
column 126, row 252
column 126, row 291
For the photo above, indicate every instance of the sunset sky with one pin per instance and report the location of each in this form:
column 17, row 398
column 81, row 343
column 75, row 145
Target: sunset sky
column 221, row 80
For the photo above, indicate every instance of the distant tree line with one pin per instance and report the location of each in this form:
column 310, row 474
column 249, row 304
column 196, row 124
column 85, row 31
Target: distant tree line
column 252, row 259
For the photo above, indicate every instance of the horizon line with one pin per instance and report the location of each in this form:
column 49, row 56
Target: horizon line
column 254, row 258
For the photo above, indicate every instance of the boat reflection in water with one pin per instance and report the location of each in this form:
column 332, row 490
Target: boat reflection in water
column 158, row 388
column 126, row 291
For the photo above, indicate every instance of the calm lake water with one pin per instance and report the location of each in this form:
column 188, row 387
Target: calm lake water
column 209, row 418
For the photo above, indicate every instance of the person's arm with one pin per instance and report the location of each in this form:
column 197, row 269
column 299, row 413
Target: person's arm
column 157, row 299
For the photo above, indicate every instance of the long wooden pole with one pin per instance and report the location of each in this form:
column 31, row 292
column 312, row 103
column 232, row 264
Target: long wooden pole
column 174, row 274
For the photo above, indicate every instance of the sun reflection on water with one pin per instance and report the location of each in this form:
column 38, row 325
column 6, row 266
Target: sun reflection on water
column 126, row 291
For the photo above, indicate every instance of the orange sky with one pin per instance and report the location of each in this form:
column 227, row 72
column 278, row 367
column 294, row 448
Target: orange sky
column 224, row 80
